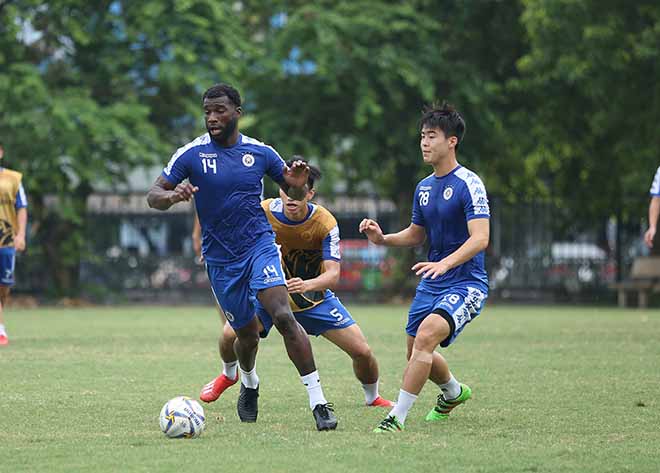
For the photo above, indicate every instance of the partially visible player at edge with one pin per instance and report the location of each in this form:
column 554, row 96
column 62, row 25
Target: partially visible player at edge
column 309, row 238
column 450, row 208
column 13, row 222
column 654, row 213
column 224, row 169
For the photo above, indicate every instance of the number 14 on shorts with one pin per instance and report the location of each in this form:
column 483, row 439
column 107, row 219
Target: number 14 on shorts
column 271, row 274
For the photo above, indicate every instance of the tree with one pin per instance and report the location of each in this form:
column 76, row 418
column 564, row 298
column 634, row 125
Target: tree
column 89, row 91
column 590, row 77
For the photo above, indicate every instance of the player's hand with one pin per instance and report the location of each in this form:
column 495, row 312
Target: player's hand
column 649, row 236
column 19, row 243
column 296, row 285
column 183, row 191
column 372, row 230
column 297, row 174
column 430, row 269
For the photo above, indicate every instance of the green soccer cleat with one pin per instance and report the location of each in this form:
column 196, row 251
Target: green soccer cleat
column 443, row 407
column 389, row 424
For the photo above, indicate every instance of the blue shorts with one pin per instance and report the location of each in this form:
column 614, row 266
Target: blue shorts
column 235, row 286
column 459, row 305
column 7, row 263
column 328, row 315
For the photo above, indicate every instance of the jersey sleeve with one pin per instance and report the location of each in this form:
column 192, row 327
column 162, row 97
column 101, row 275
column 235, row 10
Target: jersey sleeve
column 655, row 186
column 417, row 215
column 331, row 245
column 178, row 168
column 474, row 198
column 274, row 165
column 21, row 198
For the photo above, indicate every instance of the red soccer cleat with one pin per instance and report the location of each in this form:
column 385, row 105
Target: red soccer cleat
column 381, row 402
column 4, row 340
column 213, row 389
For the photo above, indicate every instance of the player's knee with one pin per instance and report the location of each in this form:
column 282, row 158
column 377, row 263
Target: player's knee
column 361, row 352
column 425, row 341
column 285, row 322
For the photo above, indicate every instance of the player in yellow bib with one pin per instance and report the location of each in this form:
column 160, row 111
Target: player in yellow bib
column 309, row 238
column 13, row 220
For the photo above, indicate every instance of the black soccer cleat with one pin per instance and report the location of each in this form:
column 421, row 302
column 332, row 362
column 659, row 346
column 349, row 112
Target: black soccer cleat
column 248, row 404
column 324, row 415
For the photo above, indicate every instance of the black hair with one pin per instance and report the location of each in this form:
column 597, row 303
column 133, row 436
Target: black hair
column 446, row 118
column 314, row 172
column 223, row 90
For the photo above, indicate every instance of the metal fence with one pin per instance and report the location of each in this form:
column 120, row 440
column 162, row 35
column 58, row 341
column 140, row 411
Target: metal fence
column 534, row 255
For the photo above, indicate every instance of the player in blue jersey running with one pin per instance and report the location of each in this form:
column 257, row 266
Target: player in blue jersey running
column 450, row 209
column 224, row 169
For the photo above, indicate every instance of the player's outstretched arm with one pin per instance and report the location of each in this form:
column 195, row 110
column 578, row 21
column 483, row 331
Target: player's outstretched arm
column 328, row 279
column 479, row 230
column 295, row 180
column 163, row 194
column 414, row 235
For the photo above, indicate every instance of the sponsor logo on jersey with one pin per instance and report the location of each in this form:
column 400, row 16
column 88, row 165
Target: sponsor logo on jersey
column 447, row 193
column 248, row 160
column 208, row 155
column 425, row 188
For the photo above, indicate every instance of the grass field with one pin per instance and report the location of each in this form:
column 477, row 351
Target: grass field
column 555, row 389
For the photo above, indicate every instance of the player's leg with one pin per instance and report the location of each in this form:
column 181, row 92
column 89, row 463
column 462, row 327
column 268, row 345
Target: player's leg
column 352, row 341
column 229, row 376
column 458, row 308
column 4, row 297
column 231, row 287
column 430, row 333
column 7, row 261
column 275, row 301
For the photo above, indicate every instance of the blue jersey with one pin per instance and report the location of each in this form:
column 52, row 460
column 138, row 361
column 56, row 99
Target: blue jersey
column 230, row 185
column 443, row 206
column 655, row 186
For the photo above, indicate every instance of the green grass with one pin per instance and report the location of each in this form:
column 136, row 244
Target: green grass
column 555, row 390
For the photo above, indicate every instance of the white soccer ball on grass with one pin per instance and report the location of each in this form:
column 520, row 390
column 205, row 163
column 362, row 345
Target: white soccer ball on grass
column 182, row 417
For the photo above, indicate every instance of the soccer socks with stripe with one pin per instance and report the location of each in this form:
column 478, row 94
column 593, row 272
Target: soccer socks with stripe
column 370, row 392
column 313, row 384
column 451, row 389
column 249, row 378
column 230, row 369
column 403, row 405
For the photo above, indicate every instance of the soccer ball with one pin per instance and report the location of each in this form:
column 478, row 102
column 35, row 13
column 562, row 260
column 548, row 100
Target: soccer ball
column 182, row 417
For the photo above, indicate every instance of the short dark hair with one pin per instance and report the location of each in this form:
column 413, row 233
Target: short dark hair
column 223, row 90
column 446, row 118
column 314, row 172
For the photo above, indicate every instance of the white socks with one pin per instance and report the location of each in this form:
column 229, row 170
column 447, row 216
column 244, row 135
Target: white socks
column 313, row 384
column 370, row 392
column 451, row 389
column 249, row 378
column 230, row 369
column 2, row 330
column 403, row 405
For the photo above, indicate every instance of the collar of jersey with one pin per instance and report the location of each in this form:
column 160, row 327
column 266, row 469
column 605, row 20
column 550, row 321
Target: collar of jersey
column 239, row 141
column 283, row 218
column 448, row 174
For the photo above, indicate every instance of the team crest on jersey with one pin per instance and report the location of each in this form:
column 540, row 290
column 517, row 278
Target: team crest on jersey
column 248, row 160
column 447, row 193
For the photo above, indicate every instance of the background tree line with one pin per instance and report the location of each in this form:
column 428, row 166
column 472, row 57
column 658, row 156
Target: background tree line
column 561, row 97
